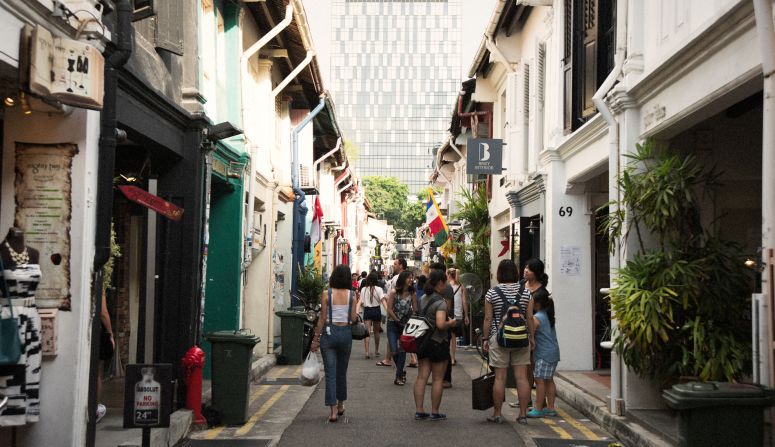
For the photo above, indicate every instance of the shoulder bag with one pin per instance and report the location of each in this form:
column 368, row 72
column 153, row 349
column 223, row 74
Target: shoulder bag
column 10, row 343
column 359, row 329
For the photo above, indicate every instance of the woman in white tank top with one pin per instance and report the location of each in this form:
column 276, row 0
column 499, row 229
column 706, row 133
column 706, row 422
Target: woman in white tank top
column 333, row 335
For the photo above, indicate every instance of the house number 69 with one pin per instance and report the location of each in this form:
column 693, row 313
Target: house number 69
column 566, row 211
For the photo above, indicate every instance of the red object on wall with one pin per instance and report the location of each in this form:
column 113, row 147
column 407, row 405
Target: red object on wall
column 193, row 363
column 148, row 200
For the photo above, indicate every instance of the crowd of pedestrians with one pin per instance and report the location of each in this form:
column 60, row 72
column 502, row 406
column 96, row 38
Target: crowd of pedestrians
column 518, row 331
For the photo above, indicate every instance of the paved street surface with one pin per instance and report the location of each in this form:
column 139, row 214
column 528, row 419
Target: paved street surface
column 379, row 413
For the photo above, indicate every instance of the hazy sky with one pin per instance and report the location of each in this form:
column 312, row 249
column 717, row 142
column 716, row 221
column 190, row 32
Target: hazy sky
column 476, row 14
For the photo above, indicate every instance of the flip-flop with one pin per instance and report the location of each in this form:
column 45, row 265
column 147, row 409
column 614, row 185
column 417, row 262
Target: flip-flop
column 381, row 363
column 340, row 412
column 412, row 365
column 332, row 420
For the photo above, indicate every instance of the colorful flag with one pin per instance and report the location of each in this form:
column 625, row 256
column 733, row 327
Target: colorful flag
column 436, row 224
column 315, row 235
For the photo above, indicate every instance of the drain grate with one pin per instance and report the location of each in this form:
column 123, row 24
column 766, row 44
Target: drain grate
column 552, row 442
column 227, row 443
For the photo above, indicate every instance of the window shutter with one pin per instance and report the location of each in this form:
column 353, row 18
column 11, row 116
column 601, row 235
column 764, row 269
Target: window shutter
column 541, row 74
column 142, row 9
column 589, row 64
column 169, row 26
column 567, row 67
column 526, row 92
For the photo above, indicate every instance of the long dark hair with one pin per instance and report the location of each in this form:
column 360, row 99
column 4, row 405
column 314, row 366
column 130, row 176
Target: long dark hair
column 537, row 267
column 401, row 282
column 541, row 297
column 372, row 280
column 434, row 278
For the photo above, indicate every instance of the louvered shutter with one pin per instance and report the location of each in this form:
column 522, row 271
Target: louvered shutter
column 169, row 26
column 589, row 73
column 567, row 68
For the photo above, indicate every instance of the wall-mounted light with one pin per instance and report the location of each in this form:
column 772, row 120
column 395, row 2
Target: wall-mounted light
column 221, row 131
column 532, row 227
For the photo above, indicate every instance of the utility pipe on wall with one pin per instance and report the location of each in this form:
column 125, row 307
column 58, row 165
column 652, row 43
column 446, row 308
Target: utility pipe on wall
column 293, row 74
column 614, row 168
column 244, row 64
column 327, row 154
column 766, row 33
column 492, row 47
column 299, row 204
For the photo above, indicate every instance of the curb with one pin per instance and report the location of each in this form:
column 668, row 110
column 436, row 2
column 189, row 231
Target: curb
column 180, row 425
column 624, row 428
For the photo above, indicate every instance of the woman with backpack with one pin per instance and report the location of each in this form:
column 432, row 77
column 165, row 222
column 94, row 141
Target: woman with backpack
column 333, row 335
column 371, row 299
column 507, row 339
column 401, row 304
column 433, row 354
column 546, row 354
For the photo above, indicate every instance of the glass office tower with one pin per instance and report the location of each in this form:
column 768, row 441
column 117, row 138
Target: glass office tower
column 395, row 72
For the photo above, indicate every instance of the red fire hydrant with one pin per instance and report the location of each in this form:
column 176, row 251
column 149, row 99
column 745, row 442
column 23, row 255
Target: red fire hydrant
column 193, row 364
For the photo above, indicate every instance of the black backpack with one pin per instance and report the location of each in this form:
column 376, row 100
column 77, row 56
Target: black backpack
column 512, row 332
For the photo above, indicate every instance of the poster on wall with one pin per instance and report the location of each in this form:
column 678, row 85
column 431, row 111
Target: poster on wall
column 43, row 210
column 570, row 260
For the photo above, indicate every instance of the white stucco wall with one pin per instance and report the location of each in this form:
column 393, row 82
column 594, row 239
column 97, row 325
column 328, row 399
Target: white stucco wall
column 64, row 378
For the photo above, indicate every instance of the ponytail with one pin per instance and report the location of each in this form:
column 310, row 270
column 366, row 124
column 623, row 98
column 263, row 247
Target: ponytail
column 542, row 298
column 537, row 267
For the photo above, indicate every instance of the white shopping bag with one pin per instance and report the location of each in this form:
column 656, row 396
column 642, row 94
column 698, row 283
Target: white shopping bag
column 310, row 371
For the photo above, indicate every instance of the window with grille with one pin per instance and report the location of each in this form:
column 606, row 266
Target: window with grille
column 588, row 55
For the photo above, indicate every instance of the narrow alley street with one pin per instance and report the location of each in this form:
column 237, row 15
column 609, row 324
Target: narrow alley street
column 379, row 413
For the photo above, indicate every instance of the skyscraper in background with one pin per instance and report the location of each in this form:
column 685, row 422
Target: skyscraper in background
column 395, row 71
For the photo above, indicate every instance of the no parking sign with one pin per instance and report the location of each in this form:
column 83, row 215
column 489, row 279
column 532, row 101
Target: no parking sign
column 147, row 395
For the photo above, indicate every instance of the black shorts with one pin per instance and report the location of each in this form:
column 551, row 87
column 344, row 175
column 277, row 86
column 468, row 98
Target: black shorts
column 372, row 313
column 435, row 351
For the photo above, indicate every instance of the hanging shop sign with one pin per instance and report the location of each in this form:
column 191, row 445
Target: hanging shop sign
column 43, row 210
column 484, row 156
column 147, row 395
column 65, row 70
column 150, row 201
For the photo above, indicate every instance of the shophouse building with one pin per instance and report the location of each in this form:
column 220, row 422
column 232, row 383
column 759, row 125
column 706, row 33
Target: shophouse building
column 683, row 74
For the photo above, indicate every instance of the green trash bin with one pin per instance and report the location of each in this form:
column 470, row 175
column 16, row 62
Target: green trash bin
column 292, row 335
column 231, row 359
column 719, row 413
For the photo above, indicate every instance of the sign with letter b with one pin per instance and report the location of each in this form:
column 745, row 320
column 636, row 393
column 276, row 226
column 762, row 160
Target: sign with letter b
column 484, row 156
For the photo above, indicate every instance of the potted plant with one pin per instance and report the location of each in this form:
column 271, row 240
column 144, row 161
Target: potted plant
column 310, row 284
column 679, row 300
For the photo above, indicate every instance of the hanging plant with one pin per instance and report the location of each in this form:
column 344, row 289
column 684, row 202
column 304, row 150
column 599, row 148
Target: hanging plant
column 679, row 301
column 115, row 252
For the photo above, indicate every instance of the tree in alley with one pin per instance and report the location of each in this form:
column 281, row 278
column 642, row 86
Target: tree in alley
column 390, row 200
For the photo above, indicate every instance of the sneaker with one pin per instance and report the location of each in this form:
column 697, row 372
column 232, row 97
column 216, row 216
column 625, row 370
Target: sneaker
column 101, row 411
column 420, row 416
column 550, row 412
column 522, row 420
column 535, row 413
column 438, row 416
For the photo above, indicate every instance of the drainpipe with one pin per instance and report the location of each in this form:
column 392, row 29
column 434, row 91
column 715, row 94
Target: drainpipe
column 299, row 204
column 117, row 57
column 343, row 188
column 764, row 29
column 489, row 43
column 293, row 74
column 340, row 180
column 327, row 154
column 616, row 404
column 244, row 64
column 339, row 168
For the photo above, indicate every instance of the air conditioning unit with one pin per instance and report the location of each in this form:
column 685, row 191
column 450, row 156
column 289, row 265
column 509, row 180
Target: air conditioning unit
column 307, row 179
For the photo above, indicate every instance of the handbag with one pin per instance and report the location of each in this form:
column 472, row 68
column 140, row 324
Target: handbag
column 359, row 329
column 10, row 343
column 481, row 391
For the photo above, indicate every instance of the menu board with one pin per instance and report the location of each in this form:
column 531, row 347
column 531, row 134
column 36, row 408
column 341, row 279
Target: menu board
column 43, row 210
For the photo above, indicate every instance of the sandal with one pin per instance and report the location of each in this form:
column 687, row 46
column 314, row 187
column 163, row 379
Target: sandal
column 412, row 365
column 420, row 416
column 381, row 363
column 495, row 419
column 332, row 419
column 522, row 420
column 438, row 416
column 399, row 382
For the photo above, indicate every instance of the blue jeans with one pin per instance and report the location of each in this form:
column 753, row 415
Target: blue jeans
column 399, row 355
column 336, row 356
